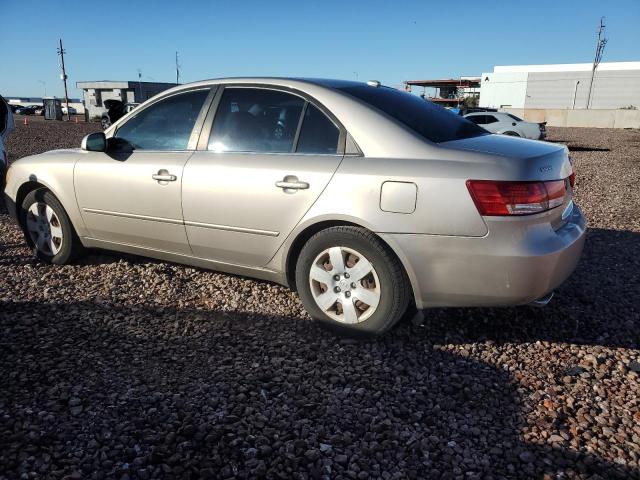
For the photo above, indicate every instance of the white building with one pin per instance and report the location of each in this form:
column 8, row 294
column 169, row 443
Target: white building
column 96, row 92
column 564, row 86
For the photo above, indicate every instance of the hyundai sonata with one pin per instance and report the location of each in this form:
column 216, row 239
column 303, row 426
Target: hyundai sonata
column 363, row 198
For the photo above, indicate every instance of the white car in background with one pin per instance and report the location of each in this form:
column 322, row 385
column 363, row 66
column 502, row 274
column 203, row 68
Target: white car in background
column 72, row 111
column 508, row 124
column 6, row 127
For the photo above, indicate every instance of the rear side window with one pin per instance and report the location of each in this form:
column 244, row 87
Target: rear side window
column 256, row 120
column 477, row 119
column 517, row 119
column 165, row 125
column 318, row 134
column 427, row 119
column 491, row 119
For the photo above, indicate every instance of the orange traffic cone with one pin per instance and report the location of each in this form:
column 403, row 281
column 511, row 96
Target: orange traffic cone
column 76, row 119
column 25, row 121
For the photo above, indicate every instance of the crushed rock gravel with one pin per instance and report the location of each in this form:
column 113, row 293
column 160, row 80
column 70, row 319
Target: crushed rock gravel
column 120, row 367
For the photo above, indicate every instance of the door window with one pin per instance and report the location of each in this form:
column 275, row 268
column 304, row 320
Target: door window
column 491, row 119
column 256, row 120
column 318, row 134
column 165, row 125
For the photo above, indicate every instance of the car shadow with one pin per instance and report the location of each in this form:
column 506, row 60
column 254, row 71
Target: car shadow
column 91, row 387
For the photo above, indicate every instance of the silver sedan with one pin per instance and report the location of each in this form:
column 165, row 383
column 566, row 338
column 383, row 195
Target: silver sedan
column 363, row 198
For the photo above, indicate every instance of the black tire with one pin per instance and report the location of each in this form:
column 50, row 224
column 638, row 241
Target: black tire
column 395, row 292
column 511, row 134
column 105, row 122
column 70, row 246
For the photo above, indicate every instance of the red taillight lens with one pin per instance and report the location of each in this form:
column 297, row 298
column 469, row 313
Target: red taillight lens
column 572, row 178
column 494, row 198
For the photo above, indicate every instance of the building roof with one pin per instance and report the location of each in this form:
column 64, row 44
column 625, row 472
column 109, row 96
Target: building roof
column 117, row 83
column 566, row 67
column 449, row 82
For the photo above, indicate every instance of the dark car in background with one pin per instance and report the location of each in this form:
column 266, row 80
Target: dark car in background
column 28, row 110
column 115, row 111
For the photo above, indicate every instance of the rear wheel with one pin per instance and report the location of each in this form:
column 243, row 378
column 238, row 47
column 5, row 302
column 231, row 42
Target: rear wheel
column 350, row 282
column 48, row 229
column 105, row 122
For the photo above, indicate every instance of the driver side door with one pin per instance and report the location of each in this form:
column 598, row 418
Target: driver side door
column 131, row 194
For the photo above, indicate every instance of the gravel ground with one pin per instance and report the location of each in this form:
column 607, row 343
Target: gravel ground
column 127, row 368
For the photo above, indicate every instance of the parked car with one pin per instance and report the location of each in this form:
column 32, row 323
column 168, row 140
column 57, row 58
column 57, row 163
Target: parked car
column 6, row 127
column 508, row 124
column 28, row 110
column 38, row 110
column 72, row 110
column 14, row 107
column 115, row 111
column 363, row 198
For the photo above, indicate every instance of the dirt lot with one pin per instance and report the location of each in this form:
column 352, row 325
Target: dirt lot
column 127, row 368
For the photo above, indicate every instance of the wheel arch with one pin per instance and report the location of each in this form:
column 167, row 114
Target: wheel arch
column 35, row 183
column 296, row 245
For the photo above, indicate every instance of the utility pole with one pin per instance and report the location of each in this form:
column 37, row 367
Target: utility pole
column 139, row 99
column 596, row 60
column 177, row 70
column 63, row 76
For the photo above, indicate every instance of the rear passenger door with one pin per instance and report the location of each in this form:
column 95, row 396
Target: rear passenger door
column 269, row 155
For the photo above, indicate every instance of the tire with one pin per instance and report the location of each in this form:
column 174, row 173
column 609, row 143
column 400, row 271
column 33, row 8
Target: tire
column 386, row 285
column 105, row 122
column 47, row 228
column 511, row 134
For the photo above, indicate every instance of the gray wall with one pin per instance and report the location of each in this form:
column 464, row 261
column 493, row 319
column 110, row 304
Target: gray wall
column 611, row 89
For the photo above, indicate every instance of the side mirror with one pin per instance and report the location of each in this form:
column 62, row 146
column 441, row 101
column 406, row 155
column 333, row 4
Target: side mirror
column 95, row 142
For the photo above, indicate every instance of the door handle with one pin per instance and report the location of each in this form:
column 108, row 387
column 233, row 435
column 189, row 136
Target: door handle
column 290, row 183
column 164, row 176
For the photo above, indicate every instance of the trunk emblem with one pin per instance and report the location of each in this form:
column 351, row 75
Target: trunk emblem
column 546, row 168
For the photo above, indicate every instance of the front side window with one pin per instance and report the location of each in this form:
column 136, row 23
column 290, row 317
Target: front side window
column 165, row 125
column 425, row 118
column 256, row 120
column 318, row 134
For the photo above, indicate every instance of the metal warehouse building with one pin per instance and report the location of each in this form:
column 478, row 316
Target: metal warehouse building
column 563, row 86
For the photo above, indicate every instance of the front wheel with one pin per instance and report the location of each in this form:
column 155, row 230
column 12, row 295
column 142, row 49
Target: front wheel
column 350, row 282
column 48, row 229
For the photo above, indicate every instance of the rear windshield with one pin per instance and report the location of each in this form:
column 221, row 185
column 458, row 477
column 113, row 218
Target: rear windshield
column 427, row 119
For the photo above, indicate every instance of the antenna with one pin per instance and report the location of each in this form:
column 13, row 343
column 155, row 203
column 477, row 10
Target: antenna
column 596, row 60
column 177, row 70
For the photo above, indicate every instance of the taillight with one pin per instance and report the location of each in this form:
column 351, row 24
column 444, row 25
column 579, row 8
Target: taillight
column 495, row 198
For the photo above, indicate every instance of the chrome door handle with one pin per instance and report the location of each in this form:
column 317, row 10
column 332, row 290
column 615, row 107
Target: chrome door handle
column 291, row 182
column 164, row 176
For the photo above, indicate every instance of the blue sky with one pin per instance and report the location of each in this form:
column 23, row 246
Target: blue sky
column 388, row 41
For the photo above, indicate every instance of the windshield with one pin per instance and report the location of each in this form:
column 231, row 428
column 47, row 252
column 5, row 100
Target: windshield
column 427, row 119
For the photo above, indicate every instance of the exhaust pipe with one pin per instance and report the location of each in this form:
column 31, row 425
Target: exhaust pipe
column 542, row 301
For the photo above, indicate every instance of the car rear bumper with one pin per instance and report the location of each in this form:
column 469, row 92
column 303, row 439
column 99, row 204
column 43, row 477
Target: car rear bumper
column 516, row 263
